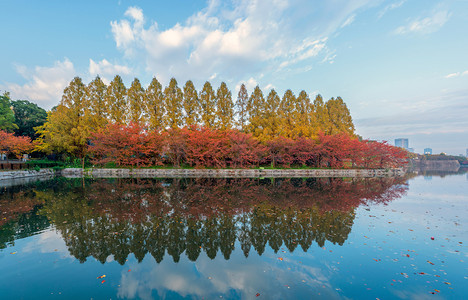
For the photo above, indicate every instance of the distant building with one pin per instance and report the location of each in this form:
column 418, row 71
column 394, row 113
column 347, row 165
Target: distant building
column 402, row 143
column 427, row 150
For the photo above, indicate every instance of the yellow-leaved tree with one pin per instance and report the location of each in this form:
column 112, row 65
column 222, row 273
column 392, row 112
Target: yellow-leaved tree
column 340, row 120
column 116, row 100
column 173, row 104
column 207, row 99
column 67, row 129
column 241, row 108
column 135, row 95
column 154, row 105
column 96, row 111
column 191, row 105
column 256, row 111
column 224, row 108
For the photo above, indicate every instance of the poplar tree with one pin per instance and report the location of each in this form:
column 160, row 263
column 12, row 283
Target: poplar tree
column 321, row 115
column 241, row 108
column 154, row 105
column 116, row 100
column 173, row 104
column 208, row 105
column 256, row 111
column 303, row 126
column 225, row 107
column 95, row 103
column 191, row 105
column 135, row 95
column 271, row 119
column 340, row 120
column 287, row 114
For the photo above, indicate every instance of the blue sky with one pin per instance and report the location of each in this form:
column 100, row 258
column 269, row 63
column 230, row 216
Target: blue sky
column 400, row 65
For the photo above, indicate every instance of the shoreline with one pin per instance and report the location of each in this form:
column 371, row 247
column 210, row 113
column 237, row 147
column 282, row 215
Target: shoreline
column 201, row 173
column 228, row 173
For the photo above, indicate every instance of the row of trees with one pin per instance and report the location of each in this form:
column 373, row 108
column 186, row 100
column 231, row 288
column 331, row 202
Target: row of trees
column 132, row 145
column 85, row 109
column 156, row 126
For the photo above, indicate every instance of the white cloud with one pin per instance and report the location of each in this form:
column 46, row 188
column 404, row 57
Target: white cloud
column 232, row 39
column 425, row 25
column 452, row 75
column 44, row 85
column 390, row 7
column 348, row 21
column 456, row 74
column 107, row 70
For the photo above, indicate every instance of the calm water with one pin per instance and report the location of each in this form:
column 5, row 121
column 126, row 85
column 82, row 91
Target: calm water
column 321, row 238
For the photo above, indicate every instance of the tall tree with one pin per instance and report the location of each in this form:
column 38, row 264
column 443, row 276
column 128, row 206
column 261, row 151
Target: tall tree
column 27, row 116
column 288, row 114
column 241, row 108
column 7, row 116
column 116, row 100
column 321, row 115
column 191, row 105
column 271, row 119
column 66, row 129
column 340, row 120
column 208, row 105
column 302, row 116
column 224, row 108
column 135, row 95
column 173, row 103
column 256, row 112
column 154, row 105
column 96, row 104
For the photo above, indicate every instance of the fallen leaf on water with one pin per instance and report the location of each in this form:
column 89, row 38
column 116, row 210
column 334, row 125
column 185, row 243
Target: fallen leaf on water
column 432, row 238
column 437, row 290
column 12, row 252
column 430, row 262
column 103, row 281
column 258, row 294
column 100, row 277
column 447, row 282
column 280, row 258
column 129, row 270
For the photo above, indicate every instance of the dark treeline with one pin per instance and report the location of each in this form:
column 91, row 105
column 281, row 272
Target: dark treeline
column 176, row 216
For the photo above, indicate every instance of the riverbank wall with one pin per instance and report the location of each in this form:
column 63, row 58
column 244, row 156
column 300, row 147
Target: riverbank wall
column 228, row 173
column 11, row 175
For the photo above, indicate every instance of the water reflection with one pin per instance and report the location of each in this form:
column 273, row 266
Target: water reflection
column 100, row 218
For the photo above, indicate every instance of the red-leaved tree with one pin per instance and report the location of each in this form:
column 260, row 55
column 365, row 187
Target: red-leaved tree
column 16, row 145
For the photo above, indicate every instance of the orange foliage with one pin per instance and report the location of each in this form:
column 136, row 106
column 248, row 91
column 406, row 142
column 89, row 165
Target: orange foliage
column 16, row 145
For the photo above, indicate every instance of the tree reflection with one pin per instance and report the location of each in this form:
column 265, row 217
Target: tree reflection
column 179, row 217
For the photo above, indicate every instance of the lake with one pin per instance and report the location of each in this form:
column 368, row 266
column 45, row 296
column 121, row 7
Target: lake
column 314, row 238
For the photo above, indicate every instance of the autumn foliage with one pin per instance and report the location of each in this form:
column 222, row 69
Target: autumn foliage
column 199, row 147
column 15, row 145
